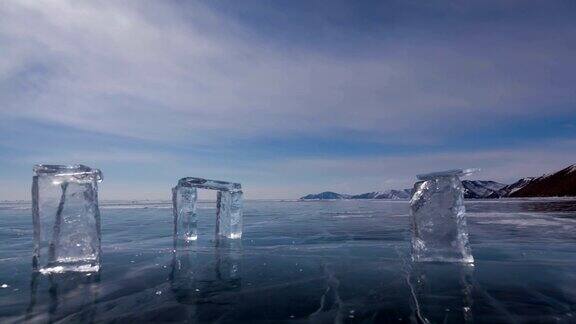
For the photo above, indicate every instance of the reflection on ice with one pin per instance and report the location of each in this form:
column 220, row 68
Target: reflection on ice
column 300, row 262
column 68, row 293
column 441, row 292
column 199, row 274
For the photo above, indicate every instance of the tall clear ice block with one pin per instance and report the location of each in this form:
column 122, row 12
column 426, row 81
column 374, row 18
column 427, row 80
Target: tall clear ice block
column 66, row 218
column 185, row 218
column 229, row 207
column 229, row 214
column 439, row 230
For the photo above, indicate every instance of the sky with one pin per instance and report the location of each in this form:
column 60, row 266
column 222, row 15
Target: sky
column 285, row 97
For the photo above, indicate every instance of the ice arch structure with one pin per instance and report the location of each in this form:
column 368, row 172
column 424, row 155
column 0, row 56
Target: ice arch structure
column 228, row 214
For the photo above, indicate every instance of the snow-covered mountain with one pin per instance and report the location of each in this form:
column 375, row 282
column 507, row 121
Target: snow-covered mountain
column 557, row 184
column 390, row 194
column 482, row 189
column 326, row 195
column 512, row 188
column 473, row 189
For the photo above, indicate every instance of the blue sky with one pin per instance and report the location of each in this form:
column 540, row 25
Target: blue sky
column 286, row 97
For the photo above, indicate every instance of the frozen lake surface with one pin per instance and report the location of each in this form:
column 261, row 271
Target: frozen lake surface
column 328, row 261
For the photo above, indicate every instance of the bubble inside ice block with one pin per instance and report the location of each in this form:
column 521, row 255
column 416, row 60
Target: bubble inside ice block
column 66, row 218
column 439, row 230
column 229, row 205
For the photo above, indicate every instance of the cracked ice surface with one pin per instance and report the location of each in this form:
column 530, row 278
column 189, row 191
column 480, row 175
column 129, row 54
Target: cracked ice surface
column 439, row 230
column 306, row 262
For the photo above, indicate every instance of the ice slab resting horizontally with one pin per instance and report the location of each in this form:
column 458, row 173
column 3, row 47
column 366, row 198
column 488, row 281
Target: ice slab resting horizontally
column 200, row 183
column 77, row 172
column 454, row 172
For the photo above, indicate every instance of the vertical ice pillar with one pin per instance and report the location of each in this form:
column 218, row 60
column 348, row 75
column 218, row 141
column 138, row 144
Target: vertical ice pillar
column 66, row 218
column 229, row 205
column 229, row 217
column 184, row 208
column 439, row 230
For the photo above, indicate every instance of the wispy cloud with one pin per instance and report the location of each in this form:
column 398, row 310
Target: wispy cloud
column 150, row 70
column 176, row 86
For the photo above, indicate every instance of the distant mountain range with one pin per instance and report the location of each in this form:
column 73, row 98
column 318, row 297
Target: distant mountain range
column 557, row 184
column 390, row 194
